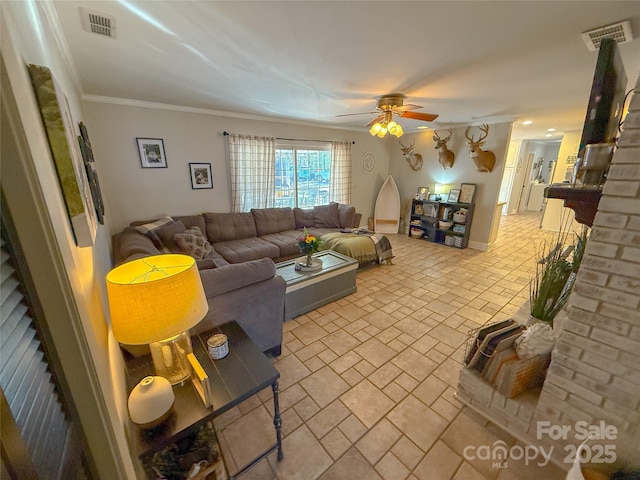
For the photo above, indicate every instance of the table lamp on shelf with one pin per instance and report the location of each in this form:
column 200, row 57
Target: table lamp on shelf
column 156, row 300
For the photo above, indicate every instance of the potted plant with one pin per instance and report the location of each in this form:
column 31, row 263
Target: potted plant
column 556, row 270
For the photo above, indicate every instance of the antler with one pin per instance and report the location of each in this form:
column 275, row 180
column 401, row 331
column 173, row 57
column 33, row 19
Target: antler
column 484, row 128
column 466, row 135
column 405, row 148
column 437, row 138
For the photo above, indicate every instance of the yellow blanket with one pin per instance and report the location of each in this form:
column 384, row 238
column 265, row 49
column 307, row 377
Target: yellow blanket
column 359, row 247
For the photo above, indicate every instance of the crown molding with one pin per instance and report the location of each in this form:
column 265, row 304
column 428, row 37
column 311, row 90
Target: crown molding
column 206, row 111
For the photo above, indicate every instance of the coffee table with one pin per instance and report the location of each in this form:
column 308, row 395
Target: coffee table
column 307, row 291
column 244, row 372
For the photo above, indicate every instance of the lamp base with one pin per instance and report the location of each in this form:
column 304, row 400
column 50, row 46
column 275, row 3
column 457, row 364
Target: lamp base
column 170, row 357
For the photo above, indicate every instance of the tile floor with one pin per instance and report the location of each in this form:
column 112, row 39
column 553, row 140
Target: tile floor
column 368, row 381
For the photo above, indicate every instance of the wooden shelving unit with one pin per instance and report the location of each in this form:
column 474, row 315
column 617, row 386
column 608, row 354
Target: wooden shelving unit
column 425, row 215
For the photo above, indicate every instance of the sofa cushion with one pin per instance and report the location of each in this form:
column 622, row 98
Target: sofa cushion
column 245, row 249
column 303, row 217
column 192, row 242
column 192, row 221
column 222, row 227
column 273, row 220
column 149, row 229
column 346, row 215
column 165, row 235
column 131, row 243
column 286, row 241
column 206, row 263
column 230, row 277
column 326, row 216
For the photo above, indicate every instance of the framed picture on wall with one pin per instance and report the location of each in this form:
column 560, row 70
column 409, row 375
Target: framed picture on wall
column 200, row 175
column 151, row 152
column 467, row 192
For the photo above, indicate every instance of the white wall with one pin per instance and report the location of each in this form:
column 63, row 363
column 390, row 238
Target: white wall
column 135, row 193
column 30, row 35
column 555, row 212
column 463, row 171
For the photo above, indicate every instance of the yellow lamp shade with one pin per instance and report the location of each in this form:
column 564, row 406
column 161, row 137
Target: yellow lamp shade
column 155, row 298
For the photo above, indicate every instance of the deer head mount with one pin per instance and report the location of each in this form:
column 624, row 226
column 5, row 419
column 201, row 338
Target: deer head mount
column 485, row 161
column 445, row 156
column 414, row 159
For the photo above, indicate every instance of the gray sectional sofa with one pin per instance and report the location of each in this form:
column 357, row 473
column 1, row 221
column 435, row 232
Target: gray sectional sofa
column 238, row 272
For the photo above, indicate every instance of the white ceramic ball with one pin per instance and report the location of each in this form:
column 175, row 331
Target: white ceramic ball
column 150, row 401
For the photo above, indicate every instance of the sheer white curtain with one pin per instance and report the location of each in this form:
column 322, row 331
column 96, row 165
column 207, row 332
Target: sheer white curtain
column 340, row 184
column 252, row 163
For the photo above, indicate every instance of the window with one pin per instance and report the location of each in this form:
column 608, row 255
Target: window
column 302, row 174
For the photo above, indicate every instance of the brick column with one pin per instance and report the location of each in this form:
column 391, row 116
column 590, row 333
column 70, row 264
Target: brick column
column 595, row 372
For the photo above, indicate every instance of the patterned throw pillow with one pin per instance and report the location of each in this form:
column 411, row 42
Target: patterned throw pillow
column 149, row 229
column 193, row 243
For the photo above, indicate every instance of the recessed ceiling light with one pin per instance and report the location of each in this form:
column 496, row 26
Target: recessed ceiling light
column 551, row 129
column 548, row 135
column 423, row 127
column 527, row 122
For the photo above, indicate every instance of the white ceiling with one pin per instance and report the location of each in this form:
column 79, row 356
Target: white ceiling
column 468, row 61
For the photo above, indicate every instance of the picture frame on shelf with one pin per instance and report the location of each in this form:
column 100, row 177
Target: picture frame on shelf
column 418, row 210
column 151, row 151
column 467, row 192
column 454, row 195
column 423, row 193
column 433, row 197
column 200, row 175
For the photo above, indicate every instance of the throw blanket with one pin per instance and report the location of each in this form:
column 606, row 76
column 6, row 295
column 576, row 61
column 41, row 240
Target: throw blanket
column 383, row 248
column 364, row 247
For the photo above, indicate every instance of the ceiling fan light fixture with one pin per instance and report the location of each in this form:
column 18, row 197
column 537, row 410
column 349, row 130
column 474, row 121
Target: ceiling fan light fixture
column 380, row 129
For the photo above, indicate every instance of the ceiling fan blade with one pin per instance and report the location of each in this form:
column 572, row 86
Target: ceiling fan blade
column 404, row 108
column 359, row 113
column 426, row 117
column 377, row 119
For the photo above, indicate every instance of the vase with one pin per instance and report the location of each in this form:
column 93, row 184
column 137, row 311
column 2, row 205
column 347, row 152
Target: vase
column 309, row 259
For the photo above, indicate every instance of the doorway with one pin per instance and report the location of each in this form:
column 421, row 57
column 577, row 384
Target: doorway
column 533, row 165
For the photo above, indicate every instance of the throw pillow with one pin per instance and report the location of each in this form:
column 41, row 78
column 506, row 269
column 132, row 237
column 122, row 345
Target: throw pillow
column 193, row 243
column 166, row 233
column 303, row 217
column 149, row 229
column 326, row 216
column 346, row 214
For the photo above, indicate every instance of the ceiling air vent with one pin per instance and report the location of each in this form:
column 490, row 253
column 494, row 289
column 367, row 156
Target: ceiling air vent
column 620, row 32
column 99, row 23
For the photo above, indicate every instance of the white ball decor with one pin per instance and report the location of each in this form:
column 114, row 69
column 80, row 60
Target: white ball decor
column 151, row 401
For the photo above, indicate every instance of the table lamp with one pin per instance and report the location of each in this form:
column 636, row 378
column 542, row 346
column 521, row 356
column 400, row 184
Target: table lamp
column 156, row 300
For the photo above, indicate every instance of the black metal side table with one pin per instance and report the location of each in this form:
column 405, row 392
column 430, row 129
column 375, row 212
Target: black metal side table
column 244, row 372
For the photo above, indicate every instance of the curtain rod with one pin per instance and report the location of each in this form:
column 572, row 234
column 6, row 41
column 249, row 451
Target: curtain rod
column 226, row 134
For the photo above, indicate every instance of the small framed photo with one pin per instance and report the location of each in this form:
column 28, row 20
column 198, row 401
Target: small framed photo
column 151, row 152
column 200, row 175
column 454, row 195
column 423, row 193
column 418, row 210
column 433, row 197
column 467, row 192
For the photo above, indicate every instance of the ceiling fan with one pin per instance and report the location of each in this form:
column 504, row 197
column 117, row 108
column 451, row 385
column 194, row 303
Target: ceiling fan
column 388, row 105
